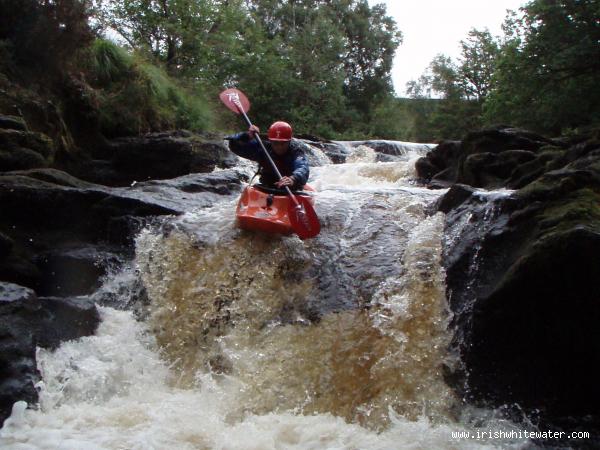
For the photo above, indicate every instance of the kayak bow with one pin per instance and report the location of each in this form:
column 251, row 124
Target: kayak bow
column 265, row 209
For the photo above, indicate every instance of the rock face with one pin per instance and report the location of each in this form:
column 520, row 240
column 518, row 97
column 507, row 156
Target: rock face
column 53, row 224
column 59, row 235
column 159, row 156
column 522, row 270
column 23, row 149
column 492, row 158
column 26, row 322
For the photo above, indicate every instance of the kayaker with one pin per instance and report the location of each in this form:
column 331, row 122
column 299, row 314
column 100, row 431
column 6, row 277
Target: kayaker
column 287, row 153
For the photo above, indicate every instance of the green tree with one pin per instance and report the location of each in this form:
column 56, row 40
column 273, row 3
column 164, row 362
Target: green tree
column 372, row 39
column 454, row 113
column 323, row 64
column 45, row 36
column 477, row 63
column 461, row 86
column 188, row 36
column 334, row 57
column 547, row 75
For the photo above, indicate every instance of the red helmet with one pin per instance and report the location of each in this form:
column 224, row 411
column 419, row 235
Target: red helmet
column 280, row 131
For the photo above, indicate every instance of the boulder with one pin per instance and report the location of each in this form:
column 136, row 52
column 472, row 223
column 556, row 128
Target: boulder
column 20, row 149
column 521, row 273
column 490, row 158
column 502, row 138
column 336, row 152
column 455, row 197
column 440, row 163
column 492, row 169
column 63, row 319
column 26, row 322
column 12, row 123
column 535, row 337
column 165, row 155
column 75, row 270
column 18, row 370
column 54, row 223
column 6, row 245
column 11, row 294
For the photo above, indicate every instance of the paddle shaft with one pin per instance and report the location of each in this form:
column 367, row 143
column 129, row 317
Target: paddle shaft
column 243, row 113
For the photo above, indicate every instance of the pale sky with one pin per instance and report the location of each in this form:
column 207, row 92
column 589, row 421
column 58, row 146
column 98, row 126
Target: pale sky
column 430, row 27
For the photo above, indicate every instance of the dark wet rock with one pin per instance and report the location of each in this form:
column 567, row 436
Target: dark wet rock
column 189, row 192
column 6, row 245
column 546, row 159
column 45, row 211
column 20, row 158
column 12, row 123
column 20, row 149
column 503, row 138
column 63, row 319
column 10, row 293
column 159, row 156
column 122, row 230
column 79, row 213
column 490, row 158
column 88, row 263
column 521, row 282
column 546, row 301
column 440, row 162
column 19, row 268
column 26, row 322
column 55, row 176
column 18, row 371
column 493, row 169
column 426, row 169
column 336, row 152
column 455, row 196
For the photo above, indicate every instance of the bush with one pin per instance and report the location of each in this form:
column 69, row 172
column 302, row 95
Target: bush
column 136, row 96
column 109, row 62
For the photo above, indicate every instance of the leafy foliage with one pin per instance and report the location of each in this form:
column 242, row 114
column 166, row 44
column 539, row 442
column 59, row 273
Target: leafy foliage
column 542, row 74
column 459, row 88
column 45, row 35
column 323, row 65
column 547, row 77
column 134, row 96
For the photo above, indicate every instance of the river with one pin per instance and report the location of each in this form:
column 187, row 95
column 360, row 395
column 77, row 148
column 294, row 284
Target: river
column 258, row 342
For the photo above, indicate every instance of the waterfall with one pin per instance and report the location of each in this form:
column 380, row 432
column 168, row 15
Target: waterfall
column 248, row 341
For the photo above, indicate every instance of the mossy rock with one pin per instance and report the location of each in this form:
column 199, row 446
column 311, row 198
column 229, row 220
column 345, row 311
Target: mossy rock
column 24, row 150
column 12, row 123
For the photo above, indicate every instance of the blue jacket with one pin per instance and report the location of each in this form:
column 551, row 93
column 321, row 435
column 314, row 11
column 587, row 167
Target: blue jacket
column 293, row 163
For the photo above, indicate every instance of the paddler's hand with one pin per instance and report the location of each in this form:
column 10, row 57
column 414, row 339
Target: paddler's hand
column 253, row 131
column 285, row 181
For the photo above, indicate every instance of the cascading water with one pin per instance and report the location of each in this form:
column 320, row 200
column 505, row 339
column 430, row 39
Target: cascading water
column 262, row 342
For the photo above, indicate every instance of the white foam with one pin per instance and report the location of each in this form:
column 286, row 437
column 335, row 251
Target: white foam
column 111, row 391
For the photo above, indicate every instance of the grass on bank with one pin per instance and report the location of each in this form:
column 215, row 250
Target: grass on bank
column 134, row 96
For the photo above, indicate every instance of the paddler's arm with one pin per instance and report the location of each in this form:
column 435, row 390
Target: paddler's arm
column 245, row 145
column 300, row 170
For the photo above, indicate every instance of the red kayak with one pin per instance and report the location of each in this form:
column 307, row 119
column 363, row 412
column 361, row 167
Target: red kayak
column 261, row 208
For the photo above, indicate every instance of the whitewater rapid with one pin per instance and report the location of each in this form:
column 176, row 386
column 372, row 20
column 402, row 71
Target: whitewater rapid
column 254, row 342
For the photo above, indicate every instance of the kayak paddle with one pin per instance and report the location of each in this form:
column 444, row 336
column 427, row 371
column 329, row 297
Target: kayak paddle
column 303, row 217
